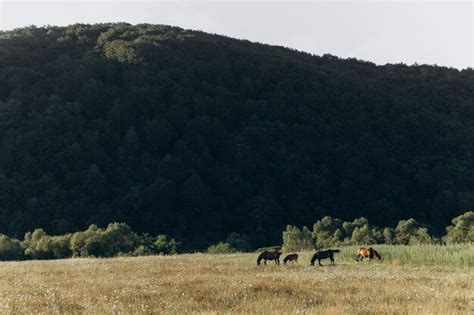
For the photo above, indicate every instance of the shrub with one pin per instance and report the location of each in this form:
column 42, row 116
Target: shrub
column 39, row 245
column 462, row 229
column 79, row 240
column 116, row 238
column 295, row 239
column 221, row 248
column 10, row 248
column 164, row 245
column 366, row 235
column 327, row 232
column 389, row 236
column 410, row 232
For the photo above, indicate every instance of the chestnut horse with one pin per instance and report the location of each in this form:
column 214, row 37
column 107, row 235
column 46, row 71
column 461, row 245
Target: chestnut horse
column 364, row 252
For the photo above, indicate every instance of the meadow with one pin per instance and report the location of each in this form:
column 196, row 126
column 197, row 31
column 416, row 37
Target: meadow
column 426, row 279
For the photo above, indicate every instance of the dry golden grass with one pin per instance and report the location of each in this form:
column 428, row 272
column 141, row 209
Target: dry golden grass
column 200, row 283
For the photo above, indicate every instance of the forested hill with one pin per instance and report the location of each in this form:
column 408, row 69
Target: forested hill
column 198, row 135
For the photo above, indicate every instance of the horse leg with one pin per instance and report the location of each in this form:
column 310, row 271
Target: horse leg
column 319, row 262
column 332, row 261
column 264, row 261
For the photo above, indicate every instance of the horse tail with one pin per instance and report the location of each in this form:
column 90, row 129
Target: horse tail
column 377, row 254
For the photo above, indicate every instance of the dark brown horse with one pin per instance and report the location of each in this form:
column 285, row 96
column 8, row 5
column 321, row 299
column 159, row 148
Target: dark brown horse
column 323, row 254
column 364, row 252
column 291, row 257
column 266, row 255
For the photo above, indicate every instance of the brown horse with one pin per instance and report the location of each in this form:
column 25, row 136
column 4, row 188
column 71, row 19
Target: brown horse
column 364, row 252
column 291, row 257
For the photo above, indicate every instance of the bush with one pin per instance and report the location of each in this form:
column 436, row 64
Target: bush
column 366, row 235
column 221, row 248
column 79, row 240
column 115, row 239
column 295, row 239
column 327, row 232
column 10, row 248
column 164, row 245
column 409, row 232
column 462, row 229
column 39, row 245
column 389, row 236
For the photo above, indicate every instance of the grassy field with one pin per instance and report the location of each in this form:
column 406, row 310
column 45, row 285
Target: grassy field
column 202, row 283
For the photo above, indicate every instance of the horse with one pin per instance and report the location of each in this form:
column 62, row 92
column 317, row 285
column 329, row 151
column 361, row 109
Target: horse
column 266, row 255
column 364, row 252
column 323, row 255
column 291, row 257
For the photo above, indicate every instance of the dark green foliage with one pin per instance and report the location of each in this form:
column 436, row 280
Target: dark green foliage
column 462, row 230
column 10, row 249
column 196, row 135
column 330, row 231
column 39, row 245
column 327, row 231
column 410, row 232
column 164, row 245
column 117, row 238
column 240, row 242
column 295, row 239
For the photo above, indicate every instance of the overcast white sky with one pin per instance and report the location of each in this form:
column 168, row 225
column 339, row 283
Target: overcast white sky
column 432, row 32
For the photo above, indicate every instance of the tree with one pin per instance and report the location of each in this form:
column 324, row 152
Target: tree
column 389, row 236
column 349, row 227
column 295, row 239
column 240, row 242
column 327, row 232
column 462, row 229
column 164, row 245
column 410, row 232
column 10, row 249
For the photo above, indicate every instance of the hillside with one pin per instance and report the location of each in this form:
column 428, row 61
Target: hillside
column 198, row 135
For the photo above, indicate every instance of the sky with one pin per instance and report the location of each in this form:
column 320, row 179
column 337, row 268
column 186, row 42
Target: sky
column 423, row 32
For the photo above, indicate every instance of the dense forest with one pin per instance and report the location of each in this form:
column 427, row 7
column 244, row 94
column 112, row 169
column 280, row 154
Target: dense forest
column 197, row 136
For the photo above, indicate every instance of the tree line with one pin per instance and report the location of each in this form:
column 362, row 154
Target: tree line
column 118, row 239
column 195, row 135
column 329, row 232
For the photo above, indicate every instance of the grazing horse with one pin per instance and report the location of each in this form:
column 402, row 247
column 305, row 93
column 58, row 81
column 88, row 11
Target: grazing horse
column 291, row 257
column 266, row 255
column 364, row 252
column 323, row 254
